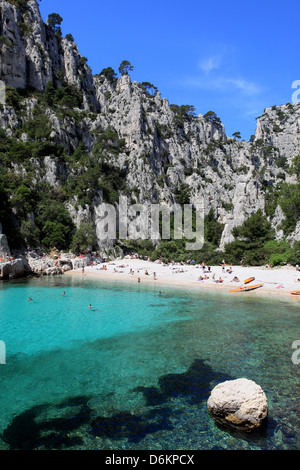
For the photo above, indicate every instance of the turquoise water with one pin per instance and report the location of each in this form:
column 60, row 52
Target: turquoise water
column 136, row 370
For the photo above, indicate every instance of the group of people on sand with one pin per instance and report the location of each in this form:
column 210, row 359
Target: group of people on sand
column 177, row 271
column 205, row 278
column 207, row 269
column 147, row 274
column 103, row 268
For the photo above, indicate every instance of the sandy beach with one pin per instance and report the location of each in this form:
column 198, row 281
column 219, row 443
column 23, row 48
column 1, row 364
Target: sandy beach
column 276, row 281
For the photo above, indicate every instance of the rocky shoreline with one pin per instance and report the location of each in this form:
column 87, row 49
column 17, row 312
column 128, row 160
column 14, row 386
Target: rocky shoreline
column 33, row 263
column 17, row 264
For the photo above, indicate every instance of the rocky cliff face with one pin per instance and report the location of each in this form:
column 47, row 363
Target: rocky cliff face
column 156, row 147
column 32, row 54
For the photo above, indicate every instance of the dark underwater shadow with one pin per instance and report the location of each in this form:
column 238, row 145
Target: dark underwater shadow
column 194, row 385
column 133, row 427
column 256, row 437
column 50, row 426
column 34, row 429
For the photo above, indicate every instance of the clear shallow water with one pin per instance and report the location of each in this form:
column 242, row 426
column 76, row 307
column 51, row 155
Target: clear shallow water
column 135, row 372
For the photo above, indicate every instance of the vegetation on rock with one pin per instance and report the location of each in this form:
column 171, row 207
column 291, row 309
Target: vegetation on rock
column 59, row 151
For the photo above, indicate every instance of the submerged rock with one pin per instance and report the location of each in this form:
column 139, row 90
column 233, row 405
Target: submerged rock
column 239, row 403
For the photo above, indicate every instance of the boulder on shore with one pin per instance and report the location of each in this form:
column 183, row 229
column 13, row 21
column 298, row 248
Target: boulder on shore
column 52, row 271
column 12, row 269
column 239, row 403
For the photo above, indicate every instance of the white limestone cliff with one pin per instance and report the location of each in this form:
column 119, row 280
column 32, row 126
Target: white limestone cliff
column 159, row 153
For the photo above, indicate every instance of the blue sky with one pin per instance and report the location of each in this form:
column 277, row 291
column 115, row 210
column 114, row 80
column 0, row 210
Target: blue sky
column 232, row 57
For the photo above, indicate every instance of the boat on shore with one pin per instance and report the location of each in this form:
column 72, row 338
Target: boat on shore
column 246, row 288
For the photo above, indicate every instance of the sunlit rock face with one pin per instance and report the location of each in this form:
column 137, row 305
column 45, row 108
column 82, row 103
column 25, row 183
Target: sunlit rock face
column 161, row 148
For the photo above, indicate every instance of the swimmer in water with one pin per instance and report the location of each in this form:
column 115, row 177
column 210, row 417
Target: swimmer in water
column 29, row 299
column 90, row 306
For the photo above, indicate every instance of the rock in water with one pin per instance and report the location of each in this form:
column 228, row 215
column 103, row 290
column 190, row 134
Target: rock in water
column 239, row 403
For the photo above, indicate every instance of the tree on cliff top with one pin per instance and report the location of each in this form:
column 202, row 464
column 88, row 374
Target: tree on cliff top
column 211, row 116
column 125, row 67
column 54, row 21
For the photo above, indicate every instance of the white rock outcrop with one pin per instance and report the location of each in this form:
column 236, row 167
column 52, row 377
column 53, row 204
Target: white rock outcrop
column 4, row 248
column 12, row 269
column 239, row 403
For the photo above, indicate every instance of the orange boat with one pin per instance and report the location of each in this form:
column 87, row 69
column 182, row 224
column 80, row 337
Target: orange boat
column 249, row 280
column 296, row 292
column 246, row 288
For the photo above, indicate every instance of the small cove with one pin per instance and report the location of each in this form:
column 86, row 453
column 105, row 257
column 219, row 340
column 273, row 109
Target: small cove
column 135, row 371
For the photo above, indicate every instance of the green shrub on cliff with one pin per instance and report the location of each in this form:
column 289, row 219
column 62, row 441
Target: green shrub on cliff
column 250, row 237
column 289, row 200
column 84, row 238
